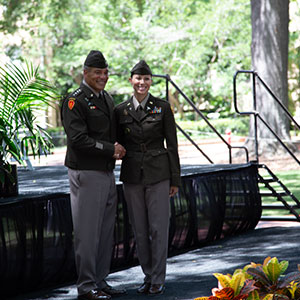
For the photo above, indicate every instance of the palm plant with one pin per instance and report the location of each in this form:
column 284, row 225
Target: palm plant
column 23, row 94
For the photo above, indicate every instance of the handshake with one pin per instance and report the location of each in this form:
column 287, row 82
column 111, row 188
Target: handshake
column 120, row 151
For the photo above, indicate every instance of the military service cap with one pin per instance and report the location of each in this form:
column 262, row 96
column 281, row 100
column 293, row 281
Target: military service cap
column 96, row 59
column 141, row 68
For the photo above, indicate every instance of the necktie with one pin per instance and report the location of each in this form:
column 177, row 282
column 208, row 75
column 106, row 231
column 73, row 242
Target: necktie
column 139, row 111
column 102, row 101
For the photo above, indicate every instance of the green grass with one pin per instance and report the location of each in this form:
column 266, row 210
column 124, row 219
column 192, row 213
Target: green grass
column 291, row 179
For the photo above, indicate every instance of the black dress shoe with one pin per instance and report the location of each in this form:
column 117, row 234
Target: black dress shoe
column 144, row 288
column 156, row 289
column 113, row 291
column 94, row 295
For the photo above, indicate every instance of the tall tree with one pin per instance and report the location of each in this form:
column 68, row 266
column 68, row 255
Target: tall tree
column 270, row 39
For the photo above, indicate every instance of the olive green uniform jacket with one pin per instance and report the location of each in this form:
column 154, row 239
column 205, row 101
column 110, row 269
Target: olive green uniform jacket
column 150, row 143
column 91, row 130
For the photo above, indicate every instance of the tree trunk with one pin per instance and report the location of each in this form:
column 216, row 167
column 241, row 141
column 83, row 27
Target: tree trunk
column 174, row 102
column 270, row 37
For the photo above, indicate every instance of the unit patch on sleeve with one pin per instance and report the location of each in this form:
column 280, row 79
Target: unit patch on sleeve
column 71, row 103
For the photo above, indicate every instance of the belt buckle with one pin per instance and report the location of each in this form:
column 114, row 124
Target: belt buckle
column 143, row 147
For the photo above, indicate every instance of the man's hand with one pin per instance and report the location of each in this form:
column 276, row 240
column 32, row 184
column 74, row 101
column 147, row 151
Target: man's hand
column 173, row 191
column 120, row 151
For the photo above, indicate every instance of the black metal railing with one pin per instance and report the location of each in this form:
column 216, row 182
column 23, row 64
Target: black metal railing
column 190, row 102
column 256, row 114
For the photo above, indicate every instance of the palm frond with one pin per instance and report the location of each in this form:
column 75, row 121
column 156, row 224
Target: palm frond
column 23, row 93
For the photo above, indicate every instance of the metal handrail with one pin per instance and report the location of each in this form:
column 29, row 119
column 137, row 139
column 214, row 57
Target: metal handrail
column 256, row 113
column 169, row 80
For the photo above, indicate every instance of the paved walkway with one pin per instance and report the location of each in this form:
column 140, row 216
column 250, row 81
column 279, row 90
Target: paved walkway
column 190, row 275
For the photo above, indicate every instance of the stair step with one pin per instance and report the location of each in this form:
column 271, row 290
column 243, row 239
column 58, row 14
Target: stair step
column 267, row 180
column 279, row 218
column 277, row 206
column 271, row 194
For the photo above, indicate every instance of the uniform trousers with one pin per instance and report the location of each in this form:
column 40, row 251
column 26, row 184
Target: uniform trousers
column 149, row 213
column 93, row 203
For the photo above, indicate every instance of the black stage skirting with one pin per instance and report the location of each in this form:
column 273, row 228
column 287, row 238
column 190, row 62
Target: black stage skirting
column 36, row 248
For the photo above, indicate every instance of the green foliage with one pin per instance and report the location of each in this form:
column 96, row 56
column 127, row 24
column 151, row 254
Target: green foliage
column 199, row 43
column 23, row 93
column 270, row 280
column 258, row 282
column 232, row 287
column 238, row 126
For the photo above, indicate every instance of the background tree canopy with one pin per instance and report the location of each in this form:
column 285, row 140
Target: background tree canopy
column 200, row 43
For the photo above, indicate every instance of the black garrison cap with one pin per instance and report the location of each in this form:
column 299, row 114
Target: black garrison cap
column 96, row 59
column 141, row 68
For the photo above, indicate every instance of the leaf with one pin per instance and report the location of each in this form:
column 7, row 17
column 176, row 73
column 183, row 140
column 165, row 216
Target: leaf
column 239, row 297
column 273, row 270
column 259, row 275
column 297, row 293
column 201, row 298
column 253, row 295
column 286, row 280
column 249, row 286
column 226, row 293
column 237, row 282
column 266, row 260
column 268, row 297
column 283, row 266
column 224, row 280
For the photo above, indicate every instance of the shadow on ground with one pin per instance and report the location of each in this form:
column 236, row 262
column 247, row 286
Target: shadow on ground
column 190, row 275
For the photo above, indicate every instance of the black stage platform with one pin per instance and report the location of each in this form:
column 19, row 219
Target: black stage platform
column 36, row 249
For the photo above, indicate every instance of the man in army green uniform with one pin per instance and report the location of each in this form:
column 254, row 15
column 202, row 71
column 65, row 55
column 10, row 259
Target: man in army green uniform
column 88, row 120
column 150, row 172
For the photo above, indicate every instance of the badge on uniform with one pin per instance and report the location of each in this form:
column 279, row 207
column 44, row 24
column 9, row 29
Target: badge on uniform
column 156, row 110
column 71, row 103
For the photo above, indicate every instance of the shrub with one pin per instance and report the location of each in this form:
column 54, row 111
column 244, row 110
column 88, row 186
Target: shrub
column 258, row 282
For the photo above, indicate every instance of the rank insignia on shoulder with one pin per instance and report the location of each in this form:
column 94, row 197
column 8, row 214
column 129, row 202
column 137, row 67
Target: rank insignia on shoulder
column 156, row 110
column 77, row 92
column 71, row 103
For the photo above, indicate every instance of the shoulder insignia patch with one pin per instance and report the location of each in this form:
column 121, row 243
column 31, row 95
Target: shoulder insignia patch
column 71, row 103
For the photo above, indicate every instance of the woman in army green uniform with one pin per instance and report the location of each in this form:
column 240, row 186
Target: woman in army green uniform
column 150, row 173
